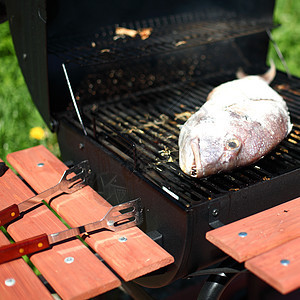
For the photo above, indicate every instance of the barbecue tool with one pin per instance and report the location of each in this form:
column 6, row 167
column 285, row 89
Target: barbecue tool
column 69, row 183
column 118, row 218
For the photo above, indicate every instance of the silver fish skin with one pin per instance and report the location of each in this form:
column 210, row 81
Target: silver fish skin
column 241, row 122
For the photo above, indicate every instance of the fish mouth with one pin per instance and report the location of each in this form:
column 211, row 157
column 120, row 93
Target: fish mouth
column 196, row 166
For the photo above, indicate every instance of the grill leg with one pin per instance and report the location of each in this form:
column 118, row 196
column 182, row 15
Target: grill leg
column 215, row 284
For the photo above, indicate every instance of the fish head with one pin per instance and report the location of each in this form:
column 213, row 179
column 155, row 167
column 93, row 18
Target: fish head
column 208, row 148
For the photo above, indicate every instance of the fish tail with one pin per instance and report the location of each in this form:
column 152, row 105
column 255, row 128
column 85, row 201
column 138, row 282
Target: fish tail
column 268, row 76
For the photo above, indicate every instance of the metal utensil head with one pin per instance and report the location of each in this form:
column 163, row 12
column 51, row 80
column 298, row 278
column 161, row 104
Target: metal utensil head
column 75, row 178
column 124, row 215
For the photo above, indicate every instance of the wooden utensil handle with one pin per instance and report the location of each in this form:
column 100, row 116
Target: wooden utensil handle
column 28, row 246
column 9, row 214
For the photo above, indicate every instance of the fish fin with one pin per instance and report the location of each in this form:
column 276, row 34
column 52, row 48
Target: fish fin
column 240, row 73
column 268, row 76
column 210, row 94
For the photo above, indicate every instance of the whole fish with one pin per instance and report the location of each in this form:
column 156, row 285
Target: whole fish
column 241, row 121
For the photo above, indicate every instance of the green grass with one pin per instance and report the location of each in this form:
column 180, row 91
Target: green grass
column 18, row 114
column 287, row 36
column 17, row 111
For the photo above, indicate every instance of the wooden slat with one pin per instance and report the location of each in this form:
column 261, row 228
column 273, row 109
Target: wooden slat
column 273, row 267
column 137, row 256
column 86, row 277
column 18, row 281
column 265, row 230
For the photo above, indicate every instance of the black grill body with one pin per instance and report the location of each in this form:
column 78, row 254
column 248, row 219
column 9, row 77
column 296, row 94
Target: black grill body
column 133, row 96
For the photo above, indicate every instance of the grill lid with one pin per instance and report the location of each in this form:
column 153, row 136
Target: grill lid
column 40, row 30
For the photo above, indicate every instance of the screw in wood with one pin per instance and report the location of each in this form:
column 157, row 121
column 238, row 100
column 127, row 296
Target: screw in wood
column 123, row 239
column 243, row 234
column 69, row 260
column 285, row 262
column 10, row 281
column 110, row 223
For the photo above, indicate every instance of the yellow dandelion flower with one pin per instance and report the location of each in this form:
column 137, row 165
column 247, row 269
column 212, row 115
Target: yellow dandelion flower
column 37, row 133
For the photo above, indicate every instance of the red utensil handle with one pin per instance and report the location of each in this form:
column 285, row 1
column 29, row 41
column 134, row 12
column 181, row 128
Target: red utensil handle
column 28, row 246
column 8, row 214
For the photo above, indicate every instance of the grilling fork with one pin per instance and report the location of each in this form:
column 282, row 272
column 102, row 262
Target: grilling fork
column 69, row 183
column 118, row 218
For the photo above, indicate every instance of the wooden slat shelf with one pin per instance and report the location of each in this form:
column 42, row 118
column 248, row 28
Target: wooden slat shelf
column 86, row 276
column 265, row 241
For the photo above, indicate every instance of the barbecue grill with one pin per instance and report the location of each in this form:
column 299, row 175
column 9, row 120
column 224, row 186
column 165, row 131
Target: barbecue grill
column 134, row 92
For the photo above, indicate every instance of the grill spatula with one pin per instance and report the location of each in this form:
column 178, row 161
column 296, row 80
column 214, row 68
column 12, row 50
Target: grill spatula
column 114, row 220
column 72, row 180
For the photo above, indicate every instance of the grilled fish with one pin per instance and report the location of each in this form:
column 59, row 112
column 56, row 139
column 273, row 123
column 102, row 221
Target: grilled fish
column 241, row 121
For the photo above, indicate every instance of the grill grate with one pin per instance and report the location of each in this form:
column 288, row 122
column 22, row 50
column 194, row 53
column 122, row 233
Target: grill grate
column 168, row 34
column 143, row 131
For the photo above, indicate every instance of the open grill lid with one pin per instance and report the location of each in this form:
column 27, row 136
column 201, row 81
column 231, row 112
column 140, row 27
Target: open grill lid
column 49, row 33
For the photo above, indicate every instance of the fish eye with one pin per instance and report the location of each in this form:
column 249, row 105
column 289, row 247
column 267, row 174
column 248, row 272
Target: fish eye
column 232, row 144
